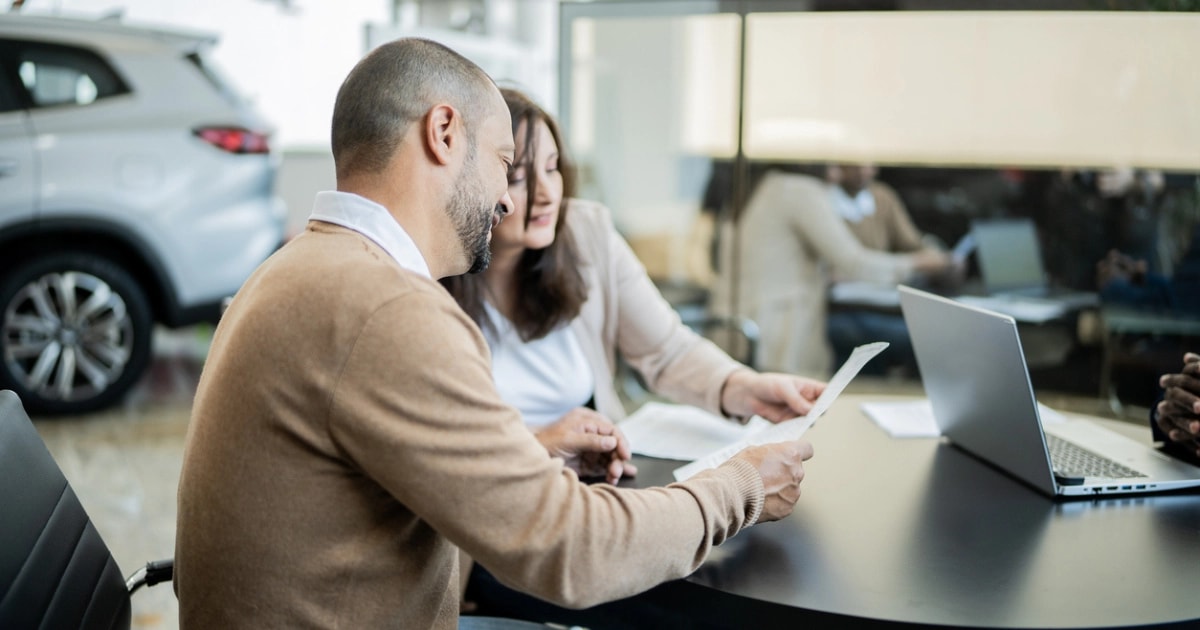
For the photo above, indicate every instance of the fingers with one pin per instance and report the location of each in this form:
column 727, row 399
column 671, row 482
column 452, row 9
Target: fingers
column 1176, row 423
column 1182, row 391
column 781, row 466
column 779, row 397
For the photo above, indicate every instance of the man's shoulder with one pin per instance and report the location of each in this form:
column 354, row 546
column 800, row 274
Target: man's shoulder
column 883, row 192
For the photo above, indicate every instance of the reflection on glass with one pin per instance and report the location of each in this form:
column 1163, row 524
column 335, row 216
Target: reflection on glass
column 1067, row 118
column 652, row 102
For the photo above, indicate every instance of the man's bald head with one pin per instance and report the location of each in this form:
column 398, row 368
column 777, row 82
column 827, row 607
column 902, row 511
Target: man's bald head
column 394, row 86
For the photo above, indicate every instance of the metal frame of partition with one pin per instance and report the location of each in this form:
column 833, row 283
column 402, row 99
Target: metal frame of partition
column 570, row 11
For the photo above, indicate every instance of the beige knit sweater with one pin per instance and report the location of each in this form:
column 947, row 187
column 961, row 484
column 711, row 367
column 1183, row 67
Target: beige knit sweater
column 346, row 436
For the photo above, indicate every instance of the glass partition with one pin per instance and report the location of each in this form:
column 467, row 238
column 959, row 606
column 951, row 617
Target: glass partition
column 1087, row 122
column 650, row 100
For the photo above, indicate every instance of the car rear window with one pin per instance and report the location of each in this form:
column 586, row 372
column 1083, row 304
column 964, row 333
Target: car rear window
column 214, row 76
column 61, row 75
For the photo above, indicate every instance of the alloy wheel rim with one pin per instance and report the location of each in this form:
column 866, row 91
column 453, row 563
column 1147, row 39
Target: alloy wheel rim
column 67, row 336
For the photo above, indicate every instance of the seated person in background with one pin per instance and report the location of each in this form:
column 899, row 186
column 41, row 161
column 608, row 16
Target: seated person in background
column 347, row 439
column 878, row 218
column 1124, row 280
column 791, row 244
column 1175, row 420
column 564, row 294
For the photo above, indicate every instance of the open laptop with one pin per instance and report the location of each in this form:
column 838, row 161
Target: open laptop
column 1010, row 262
column 974, row 373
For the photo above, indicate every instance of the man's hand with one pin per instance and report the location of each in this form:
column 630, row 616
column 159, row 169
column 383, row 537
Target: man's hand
column 1120, row 267
column 590, row 443
column 776, row 397
column 781, row 466
column 1179, row 411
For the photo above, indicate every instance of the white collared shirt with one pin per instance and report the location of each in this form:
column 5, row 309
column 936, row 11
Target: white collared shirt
column 372, row 221
column 852, row 209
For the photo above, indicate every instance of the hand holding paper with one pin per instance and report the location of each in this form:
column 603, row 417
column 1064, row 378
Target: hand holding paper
column 794, row 428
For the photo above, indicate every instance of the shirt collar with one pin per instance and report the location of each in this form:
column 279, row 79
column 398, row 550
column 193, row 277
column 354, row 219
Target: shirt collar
column 372, row 221
column 853, row 209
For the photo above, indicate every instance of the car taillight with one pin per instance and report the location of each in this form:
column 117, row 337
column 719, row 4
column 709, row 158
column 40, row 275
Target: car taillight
column 234, row 139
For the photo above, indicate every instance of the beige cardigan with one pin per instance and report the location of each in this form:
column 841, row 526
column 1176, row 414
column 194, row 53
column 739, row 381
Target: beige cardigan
column 790, row 242
column 890, row 228
column 626, row 313
column 346, row 437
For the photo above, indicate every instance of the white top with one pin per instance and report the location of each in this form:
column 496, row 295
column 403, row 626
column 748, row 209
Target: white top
column 853, row 209
column 544, row 378
column 372, row 221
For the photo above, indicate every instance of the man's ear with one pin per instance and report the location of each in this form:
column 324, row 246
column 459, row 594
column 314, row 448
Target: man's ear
column 442, row 126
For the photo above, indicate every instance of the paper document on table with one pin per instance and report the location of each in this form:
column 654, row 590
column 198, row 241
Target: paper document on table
column 869, row 293
column 903, row 418
column 682, row 431
column 794, row 428
column 914, row 418
column 1023, row 309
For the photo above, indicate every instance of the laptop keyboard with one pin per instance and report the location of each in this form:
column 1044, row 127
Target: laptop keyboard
column 1073, row 461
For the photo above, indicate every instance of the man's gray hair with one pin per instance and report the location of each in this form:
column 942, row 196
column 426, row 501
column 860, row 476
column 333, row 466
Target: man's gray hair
column 393, row 86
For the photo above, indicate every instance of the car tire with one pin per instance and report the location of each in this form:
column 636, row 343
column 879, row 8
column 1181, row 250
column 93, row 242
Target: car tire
column 75, row 332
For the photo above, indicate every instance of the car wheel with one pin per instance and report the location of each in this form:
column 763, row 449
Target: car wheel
column 76, row 332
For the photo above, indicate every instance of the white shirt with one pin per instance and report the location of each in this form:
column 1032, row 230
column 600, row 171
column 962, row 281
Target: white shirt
column 852, row 209
column 544, row 378
column 372, row 221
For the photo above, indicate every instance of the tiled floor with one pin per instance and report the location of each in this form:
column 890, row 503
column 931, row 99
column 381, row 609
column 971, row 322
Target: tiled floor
column 124, row 463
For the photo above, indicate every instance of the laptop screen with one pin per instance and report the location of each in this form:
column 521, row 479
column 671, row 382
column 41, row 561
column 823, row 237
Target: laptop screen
column 1009, row 254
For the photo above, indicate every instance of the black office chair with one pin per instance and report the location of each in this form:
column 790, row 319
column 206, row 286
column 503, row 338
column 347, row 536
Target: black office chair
column 55, row 570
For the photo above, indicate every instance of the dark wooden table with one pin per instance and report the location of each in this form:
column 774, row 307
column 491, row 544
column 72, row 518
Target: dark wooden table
column 891, row 532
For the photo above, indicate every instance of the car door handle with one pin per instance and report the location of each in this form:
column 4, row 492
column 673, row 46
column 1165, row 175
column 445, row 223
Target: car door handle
column 8, row 167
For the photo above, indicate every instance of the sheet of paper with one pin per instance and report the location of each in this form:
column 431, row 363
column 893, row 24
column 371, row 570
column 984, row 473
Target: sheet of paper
column 903, row 418
column 794, row 428
column 1030, row 310
column 914, row 418
column 963, row 248
column 864, row 293
column 682, row 431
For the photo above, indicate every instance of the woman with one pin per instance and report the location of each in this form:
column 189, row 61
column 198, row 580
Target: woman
column 562, row 295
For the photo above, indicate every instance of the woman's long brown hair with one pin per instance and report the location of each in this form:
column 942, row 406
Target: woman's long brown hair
column 550, row 289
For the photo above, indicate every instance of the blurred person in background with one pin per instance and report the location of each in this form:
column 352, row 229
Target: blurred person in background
column 792, row 244
column 877, row 217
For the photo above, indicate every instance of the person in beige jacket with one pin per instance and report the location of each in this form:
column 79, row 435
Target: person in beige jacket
column 790, row 243
column 563, row 296
column 346, row 437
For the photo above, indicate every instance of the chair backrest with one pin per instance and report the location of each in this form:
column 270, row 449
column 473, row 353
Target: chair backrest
column 55, row 571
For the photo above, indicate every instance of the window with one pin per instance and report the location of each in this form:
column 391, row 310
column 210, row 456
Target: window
column 58, row 75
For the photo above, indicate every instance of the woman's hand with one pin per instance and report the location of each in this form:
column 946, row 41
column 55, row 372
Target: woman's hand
column 776, row 397
column 590, row 444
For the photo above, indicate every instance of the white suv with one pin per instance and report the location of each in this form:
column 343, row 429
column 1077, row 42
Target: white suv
column 135, row 188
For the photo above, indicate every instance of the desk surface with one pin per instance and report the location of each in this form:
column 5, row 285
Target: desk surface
column 915, row 530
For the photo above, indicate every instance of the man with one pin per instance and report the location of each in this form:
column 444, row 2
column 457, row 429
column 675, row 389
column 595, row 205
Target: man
column 877, row 217
column 346, row 437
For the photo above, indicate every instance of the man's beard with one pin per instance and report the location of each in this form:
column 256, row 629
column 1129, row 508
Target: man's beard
column 472, row 215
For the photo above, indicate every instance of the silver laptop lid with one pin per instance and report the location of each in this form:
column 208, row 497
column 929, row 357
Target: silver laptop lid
column 1009, row 254
column 974, row 374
